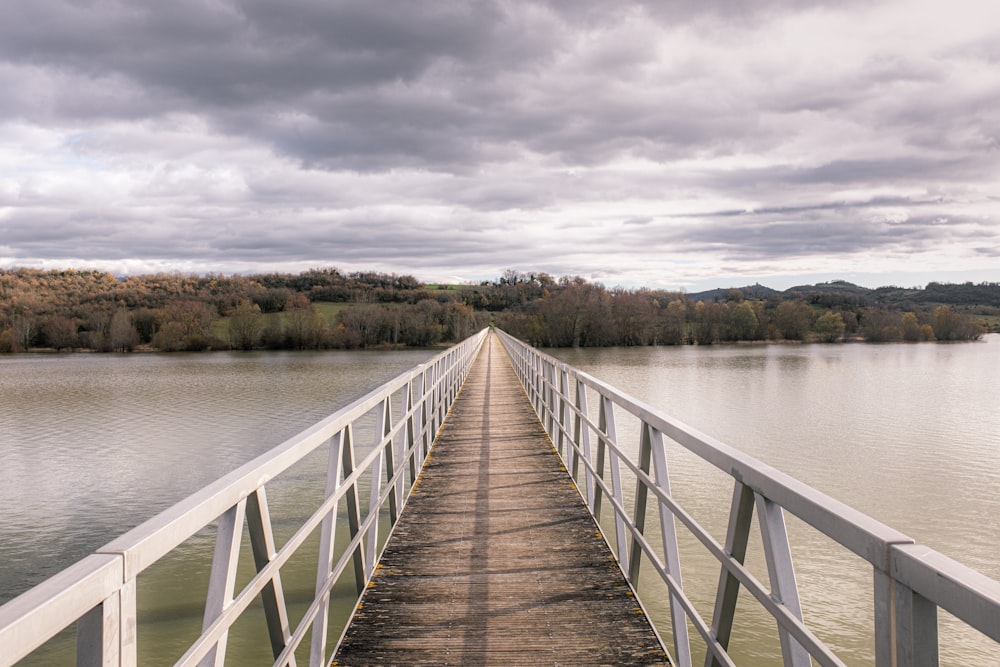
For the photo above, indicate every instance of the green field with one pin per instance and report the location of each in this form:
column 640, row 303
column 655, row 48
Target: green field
column 325, row 308
column 329, row 310
column 992, row 322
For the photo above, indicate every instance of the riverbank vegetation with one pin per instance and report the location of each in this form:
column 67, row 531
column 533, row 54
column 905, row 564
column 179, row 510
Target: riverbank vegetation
column 324, row 308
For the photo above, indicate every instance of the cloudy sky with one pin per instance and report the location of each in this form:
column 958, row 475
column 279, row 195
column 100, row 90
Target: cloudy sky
column 680, row 143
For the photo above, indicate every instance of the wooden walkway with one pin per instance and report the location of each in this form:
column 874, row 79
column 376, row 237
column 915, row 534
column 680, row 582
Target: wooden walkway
column 495, row 559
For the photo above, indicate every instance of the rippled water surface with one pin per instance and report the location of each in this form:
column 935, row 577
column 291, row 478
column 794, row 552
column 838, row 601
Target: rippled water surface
column 909, row 434
column 91, row 445
column 95, row 444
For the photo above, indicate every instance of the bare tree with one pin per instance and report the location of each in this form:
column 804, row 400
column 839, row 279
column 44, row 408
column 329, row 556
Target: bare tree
column 794, row 319
column 122, row 334
column 61, row 333
column 245, row 326
column 23, row 325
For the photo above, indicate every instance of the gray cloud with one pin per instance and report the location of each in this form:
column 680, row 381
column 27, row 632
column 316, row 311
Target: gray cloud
column 643, row 141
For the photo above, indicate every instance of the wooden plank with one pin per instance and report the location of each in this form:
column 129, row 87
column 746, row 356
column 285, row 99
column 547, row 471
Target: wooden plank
column 495, row 559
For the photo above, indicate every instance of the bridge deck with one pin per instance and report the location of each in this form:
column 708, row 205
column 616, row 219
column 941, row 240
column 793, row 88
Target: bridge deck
column 495, row 559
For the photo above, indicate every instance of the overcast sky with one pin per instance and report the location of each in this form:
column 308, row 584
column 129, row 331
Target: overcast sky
column 681, row 143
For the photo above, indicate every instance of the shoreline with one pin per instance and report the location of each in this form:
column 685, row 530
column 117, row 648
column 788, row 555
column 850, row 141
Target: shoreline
column 146, row 349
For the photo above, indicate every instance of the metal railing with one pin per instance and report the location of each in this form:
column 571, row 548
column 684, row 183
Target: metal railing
column 910, row 582
column 99, row 592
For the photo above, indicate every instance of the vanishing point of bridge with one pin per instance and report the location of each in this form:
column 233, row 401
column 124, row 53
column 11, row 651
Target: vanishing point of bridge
column 472, row 540
column 496, row 560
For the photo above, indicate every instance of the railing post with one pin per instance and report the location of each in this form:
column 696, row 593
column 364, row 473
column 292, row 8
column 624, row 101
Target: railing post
column 419, row 427
column 449, row 377
column 396, row 497
column 884, row 618
column 916, row 629
column 639, row 511
column 409, row 436
column 441, row 377
column 222, row 580
column 540, row 389
column 782, row 575
column 450, row 380
column 127, row 621
column 99, row 634
column 536, row 383
column 429, row 407
column 431, row 390
column 581, row 434
column 353, row 509
column 737, row 538
column 602, row 447
column 548, row 404
column 426, row 411
column 438, row 400
column 374, row 494
column 610, row 432
column 327, row 539
column 668, row 532
column 273, row 595
column 565, row 447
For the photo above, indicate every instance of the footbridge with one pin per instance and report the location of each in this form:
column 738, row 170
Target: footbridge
column 496, row 506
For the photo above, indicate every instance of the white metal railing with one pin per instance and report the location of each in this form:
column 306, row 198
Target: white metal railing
column 910, row 581
column 99, row 592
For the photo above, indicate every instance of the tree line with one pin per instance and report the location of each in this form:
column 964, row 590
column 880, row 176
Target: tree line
column 70, row 309
column 325, row 308
column 581, row 314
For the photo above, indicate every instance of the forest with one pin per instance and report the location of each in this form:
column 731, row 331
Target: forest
column 68, row 310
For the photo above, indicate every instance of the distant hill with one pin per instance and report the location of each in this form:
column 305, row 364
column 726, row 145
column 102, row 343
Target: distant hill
column 843, row 293
column 756, row 291
column 839, row 287
column 836, row 288
column 834, row 294
column 954, row 294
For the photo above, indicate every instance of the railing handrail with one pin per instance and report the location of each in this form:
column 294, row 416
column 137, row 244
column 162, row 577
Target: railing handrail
column 910, row 581
column 865, row 536
column 98, row 592
column 151, row 540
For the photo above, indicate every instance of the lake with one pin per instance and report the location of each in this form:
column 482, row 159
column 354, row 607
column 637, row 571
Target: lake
column 95, row 444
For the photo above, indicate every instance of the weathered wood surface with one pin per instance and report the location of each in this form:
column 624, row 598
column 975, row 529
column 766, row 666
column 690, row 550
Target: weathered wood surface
column 495, row 559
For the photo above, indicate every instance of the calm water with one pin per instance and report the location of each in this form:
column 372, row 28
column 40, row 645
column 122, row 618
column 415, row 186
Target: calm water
column 909, row 434
column 92, row 445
